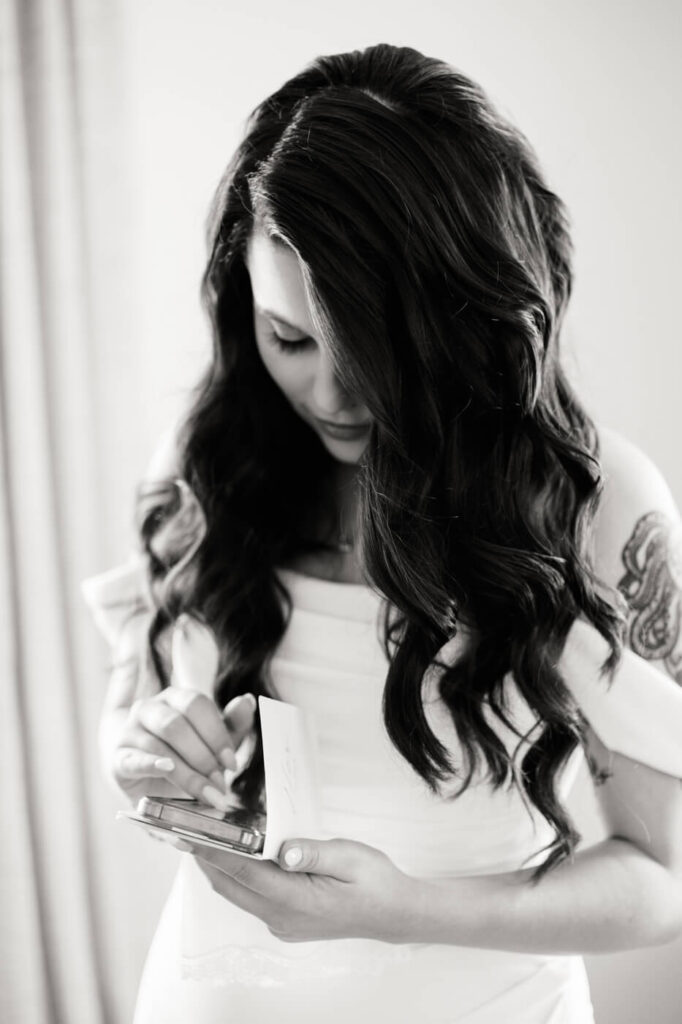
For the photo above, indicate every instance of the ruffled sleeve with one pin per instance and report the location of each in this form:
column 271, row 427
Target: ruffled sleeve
column 120, row 594
column 637, row 713
column 116, row 595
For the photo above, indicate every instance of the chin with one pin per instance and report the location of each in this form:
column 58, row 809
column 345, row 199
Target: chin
column 343, row 451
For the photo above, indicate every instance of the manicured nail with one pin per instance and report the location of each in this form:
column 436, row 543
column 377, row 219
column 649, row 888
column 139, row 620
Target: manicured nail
column 293, row 856
column 227, row 758
column 164, row 764
column 215, row 798
column 244, row 700
column 218, row 781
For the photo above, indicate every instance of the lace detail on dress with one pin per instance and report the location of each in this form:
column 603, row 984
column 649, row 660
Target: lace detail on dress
column 252, row 966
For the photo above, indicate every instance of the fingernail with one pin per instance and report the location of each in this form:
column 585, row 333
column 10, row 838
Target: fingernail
column 164, row 764
column 227, row 758
column 218, row 781
column 215, row 798
column 293, row 856
column 244, row 700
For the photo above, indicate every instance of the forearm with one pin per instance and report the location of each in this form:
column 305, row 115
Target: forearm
column 128, row 680
column 609, row 897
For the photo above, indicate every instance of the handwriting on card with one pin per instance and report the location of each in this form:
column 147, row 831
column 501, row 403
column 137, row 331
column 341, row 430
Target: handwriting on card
column 290, row 774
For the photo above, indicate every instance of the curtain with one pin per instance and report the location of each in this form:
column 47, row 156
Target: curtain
column 66, row 384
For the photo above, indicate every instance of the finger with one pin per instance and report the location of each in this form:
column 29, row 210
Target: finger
column 338, row 858
column 232, row 890
column 171, row 727
column 239, row 717
column 260, row 876
column 206, row 720
column 135, row 764
column 182, row 775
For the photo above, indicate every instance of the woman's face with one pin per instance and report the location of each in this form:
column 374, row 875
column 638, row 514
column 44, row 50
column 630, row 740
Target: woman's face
column 297, row 361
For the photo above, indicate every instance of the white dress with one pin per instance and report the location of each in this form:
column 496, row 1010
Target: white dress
column 211, row 963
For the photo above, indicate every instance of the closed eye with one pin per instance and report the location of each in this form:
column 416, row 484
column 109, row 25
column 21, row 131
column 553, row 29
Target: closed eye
column 289, row 345
column 280, row 333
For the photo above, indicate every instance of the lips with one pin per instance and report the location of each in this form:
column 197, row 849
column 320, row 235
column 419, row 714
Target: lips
column 343, row 431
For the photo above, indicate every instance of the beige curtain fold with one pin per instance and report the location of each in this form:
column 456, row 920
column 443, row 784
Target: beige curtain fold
column 54, row 932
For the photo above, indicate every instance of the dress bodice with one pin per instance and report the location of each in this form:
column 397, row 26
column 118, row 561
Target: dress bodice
column 331, row 662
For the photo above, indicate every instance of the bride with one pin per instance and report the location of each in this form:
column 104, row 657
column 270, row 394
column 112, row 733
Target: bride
column 387, row 505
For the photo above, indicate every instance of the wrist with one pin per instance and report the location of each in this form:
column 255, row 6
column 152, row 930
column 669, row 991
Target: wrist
column 394, row 916
column 422, row 911
column 406, row 924
column 463, row 911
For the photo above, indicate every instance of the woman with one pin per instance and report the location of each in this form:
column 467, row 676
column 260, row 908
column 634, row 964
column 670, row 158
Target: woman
column 387, row 506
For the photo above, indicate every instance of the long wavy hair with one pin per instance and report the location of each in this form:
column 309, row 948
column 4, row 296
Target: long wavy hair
column 438, row 265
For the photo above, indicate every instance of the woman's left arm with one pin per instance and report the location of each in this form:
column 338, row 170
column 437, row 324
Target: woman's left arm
column 623, row 893
column 626, row 891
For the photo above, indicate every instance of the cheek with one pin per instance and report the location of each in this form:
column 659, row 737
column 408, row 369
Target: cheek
column 287, row 371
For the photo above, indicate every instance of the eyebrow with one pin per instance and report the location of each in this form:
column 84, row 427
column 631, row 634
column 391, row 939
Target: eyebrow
column 280, row 320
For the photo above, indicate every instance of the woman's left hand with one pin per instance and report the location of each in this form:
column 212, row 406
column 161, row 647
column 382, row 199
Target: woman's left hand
column 332, row 889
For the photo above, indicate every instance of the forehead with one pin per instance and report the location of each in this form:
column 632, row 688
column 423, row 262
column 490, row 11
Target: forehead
column 277, row 280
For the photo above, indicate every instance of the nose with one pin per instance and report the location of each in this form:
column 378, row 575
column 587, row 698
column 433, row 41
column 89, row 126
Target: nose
column 329, row 394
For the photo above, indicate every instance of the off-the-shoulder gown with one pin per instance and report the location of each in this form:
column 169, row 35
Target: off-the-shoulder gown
column 211, row 963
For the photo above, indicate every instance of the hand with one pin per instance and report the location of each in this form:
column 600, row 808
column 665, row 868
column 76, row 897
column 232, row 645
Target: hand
column 178, row 740
column 333, row 889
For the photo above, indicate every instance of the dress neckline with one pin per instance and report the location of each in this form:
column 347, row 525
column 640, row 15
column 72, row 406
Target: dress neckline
column 319, row 596
column 286, row 571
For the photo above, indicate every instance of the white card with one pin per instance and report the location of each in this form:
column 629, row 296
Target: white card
column 290, row 775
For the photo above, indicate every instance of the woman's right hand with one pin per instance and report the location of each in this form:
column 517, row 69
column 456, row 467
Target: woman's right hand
column 179, row 740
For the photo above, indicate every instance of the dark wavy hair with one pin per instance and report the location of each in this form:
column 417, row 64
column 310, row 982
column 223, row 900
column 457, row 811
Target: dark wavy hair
column 438, row 262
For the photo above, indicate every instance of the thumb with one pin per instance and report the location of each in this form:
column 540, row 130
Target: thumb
column 338, row 858
column 239, row 716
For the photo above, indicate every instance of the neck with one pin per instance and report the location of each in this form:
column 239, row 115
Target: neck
column 344, row 495
column 344, row 476
column 331, row 544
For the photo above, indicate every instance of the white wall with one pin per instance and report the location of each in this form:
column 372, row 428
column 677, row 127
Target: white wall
column 595, row 86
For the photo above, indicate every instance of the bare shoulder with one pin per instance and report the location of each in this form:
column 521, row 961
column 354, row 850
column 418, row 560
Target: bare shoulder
column 637, row 548
column 635, row 494
column 632, row 481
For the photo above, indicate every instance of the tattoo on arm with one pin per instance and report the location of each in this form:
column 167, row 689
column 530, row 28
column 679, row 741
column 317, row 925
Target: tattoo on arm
column 652, row 587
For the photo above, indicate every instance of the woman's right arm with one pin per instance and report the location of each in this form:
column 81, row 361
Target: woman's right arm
column 155, row 741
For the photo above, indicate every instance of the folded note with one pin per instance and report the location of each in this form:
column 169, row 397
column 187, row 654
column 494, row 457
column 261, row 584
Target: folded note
column 290, row 774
